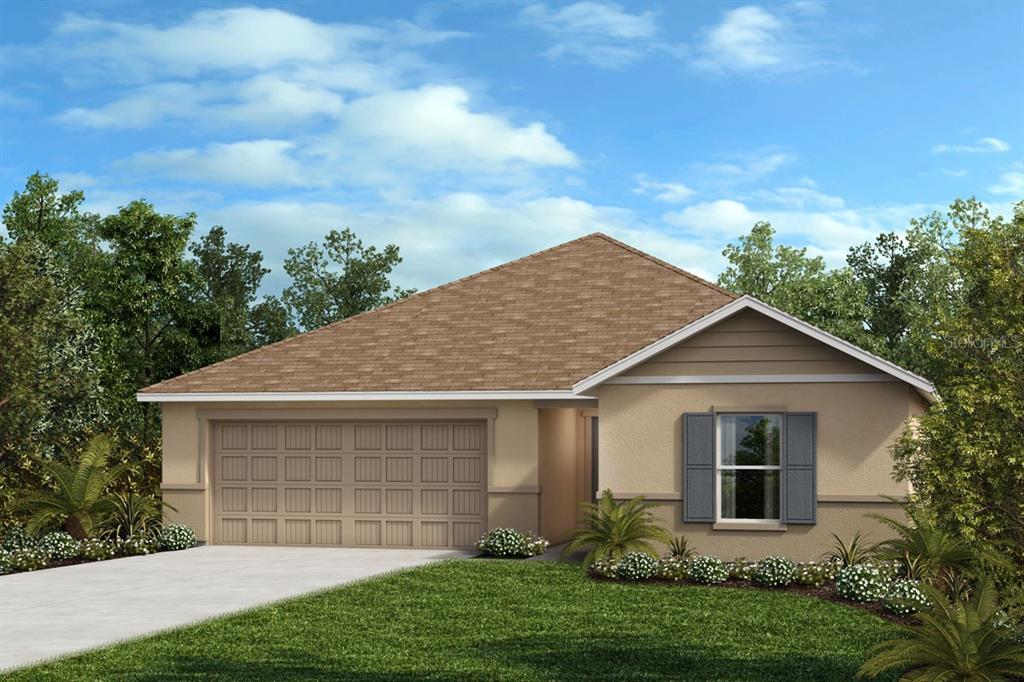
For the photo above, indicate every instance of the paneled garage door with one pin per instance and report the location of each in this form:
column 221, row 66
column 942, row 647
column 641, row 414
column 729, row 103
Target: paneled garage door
column 372, row 484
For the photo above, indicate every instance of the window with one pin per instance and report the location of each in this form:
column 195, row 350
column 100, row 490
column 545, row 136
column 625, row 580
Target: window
column 748, row 466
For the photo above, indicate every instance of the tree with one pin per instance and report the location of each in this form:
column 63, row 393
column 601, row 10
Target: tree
column 154, row 329
column 965, row 457
column 340, row 279
column 906, row 280
column 51, row 396
column 229, row 277
column 785, row 277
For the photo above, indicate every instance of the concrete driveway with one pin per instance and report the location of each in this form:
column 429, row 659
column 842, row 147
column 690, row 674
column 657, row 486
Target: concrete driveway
column 57, row 611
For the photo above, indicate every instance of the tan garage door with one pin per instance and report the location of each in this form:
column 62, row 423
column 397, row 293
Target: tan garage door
column 366, row 484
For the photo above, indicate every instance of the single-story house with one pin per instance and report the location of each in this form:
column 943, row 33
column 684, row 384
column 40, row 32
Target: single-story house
column 509, row 397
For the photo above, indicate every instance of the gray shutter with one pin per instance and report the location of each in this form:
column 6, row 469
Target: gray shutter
column 799, row 480
column 698, row 467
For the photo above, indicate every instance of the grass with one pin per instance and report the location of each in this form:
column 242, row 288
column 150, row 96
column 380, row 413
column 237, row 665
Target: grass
column 502, row 620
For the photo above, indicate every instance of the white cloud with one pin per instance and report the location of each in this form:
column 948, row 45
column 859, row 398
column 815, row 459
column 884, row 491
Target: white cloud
column 668, row 192
column 603, row 34
column 981, row 146
column 955, row 172
column 1010, row 183
column 799, row 198
column 756, row 40
column 733, row 168
column 257, row 163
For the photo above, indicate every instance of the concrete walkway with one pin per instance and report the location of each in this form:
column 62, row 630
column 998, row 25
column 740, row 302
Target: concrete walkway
column 58, row 611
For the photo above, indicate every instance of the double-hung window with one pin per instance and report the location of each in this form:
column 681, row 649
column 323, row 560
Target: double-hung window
column 748, row 467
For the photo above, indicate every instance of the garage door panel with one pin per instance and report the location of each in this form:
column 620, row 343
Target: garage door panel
column 397, row 484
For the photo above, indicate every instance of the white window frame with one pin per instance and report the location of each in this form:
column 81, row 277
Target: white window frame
column 719, row 467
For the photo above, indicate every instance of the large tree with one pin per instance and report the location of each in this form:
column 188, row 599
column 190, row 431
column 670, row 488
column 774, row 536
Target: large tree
column 802, row 285
column 339, row 279
column 965, row 457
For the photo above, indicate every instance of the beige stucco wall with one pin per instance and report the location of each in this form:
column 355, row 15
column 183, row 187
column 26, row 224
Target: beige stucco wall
column 513, row 462
column 641, row 450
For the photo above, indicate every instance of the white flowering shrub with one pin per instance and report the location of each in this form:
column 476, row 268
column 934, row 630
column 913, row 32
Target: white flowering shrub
column 95, row 549
column 672, row 568
column 861, row 583
column 892, row 569
column 5, row 562
column 59, row 546
column 774, row 571
column 741, row 569
column 28, row 559
column 905, row 597
column 605, row 567
column 176, row 536
column 708, row 570
column 136, row 545
column 815, row 573
column 636, row 566
column 15, row 537
column 509, row 542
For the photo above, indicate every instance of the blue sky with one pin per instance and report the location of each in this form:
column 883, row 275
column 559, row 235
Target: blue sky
column 473, row 133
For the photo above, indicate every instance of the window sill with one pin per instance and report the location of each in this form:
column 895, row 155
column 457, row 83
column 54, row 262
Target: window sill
column 743, row 525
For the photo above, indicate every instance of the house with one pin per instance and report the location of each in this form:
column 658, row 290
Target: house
column 508, row 397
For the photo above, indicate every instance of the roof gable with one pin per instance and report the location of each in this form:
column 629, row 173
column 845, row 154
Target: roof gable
column 540, row 323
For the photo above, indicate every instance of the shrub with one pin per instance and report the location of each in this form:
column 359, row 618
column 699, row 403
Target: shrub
column 605, row 567
column 5, row 562
column 905, row 597
column 774, row 571
column 611, row 529
column 816, row 574
column 176, row 536
column 95, row 549
column 15, row 537
column 861, row 583
column 962, row 640
column 28, row 559
column 890, row 569
column 636, row 566
column 680, row 548
column 740, row 569
column 672, row 568
column 59, row 546
column 136, row 545
column 708, row 570
column 509, row 542
column 851, row 553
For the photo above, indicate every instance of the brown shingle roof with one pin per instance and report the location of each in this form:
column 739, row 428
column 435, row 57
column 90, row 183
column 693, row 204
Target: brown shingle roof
column 542, row 322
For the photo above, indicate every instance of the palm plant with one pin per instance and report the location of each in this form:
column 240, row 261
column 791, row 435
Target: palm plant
column 79, row 498
column 679, row 548
column 925, row 549
column 612, row 529
column 856, row 551
column 135, row 515
column 960, row 640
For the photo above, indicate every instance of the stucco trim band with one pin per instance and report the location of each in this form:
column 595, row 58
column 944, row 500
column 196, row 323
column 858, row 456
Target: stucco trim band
column 354, row 396
column 755, row 379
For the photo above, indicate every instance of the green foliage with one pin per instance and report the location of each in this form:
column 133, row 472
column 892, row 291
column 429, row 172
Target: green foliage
column 741, row 569
column 964, row 457
column 5, row 562
column 789, row 279
column 861, row 583
column 679, row 548
column 774, row 571
column 59, row 546
column 611, row 529
column 78, row 497
column 673, row 568
column 28, row 559
column 636, row 566
column 97, row 549
column 176, row 536
column 816, row 574
column 708, row 570
column 135, row 515
column 136, row 545
column 844, row 553
column 339, row 279
column 926, row 551
column 962, row 640
column 509, row 542
column 15, row 537
column 905, row 597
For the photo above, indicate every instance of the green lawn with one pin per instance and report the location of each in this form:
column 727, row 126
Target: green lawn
column 503, row 620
